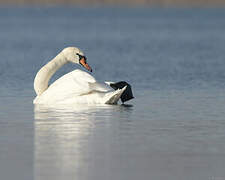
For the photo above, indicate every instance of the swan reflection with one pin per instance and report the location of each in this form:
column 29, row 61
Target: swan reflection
column 62, row 138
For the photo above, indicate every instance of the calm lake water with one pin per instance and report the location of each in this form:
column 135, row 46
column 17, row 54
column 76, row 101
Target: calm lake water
column 174, row 128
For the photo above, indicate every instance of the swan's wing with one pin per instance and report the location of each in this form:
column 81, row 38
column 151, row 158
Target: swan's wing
column 101, row 87
column 75, row 83
column 88, row 83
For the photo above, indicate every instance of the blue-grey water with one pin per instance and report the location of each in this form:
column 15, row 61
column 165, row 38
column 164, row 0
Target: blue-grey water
column 173, row 58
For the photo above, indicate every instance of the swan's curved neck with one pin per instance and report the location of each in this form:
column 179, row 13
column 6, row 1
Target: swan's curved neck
column 46, row 72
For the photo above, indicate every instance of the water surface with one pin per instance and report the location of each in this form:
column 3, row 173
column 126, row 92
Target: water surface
column 173, row 129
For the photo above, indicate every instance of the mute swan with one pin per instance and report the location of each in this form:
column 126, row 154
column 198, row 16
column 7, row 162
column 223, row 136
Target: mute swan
column 77, row 86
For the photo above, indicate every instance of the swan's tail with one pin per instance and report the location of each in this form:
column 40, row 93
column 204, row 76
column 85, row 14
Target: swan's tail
column 113, row 97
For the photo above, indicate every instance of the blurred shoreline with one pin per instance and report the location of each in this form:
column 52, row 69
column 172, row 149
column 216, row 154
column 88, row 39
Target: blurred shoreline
column 151, row 3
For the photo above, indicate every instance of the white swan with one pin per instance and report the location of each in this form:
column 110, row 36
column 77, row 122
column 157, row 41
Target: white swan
column 75, row 87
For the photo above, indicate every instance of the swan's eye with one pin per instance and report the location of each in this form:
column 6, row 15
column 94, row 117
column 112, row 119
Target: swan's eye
column 80, row 57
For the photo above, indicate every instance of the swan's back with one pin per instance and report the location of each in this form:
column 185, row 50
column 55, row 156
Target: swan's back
column 76, row 86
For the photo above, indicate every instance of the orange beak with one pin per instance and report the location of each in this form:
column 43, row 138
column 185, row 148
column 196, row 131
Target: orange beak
column 85, row 64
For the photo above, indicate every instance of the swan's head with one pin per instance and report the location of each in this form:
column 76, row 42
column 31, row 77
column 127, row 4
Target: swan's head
column 75, row 55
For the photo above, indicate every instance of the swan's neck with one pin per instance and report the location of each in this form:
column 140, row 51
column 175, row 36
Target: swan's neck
column 46, row 72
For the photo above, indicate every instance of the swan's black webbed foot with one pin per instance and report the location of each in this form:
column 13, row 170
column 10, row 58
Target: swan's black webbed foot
column 127, row 105
column 127, row 94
